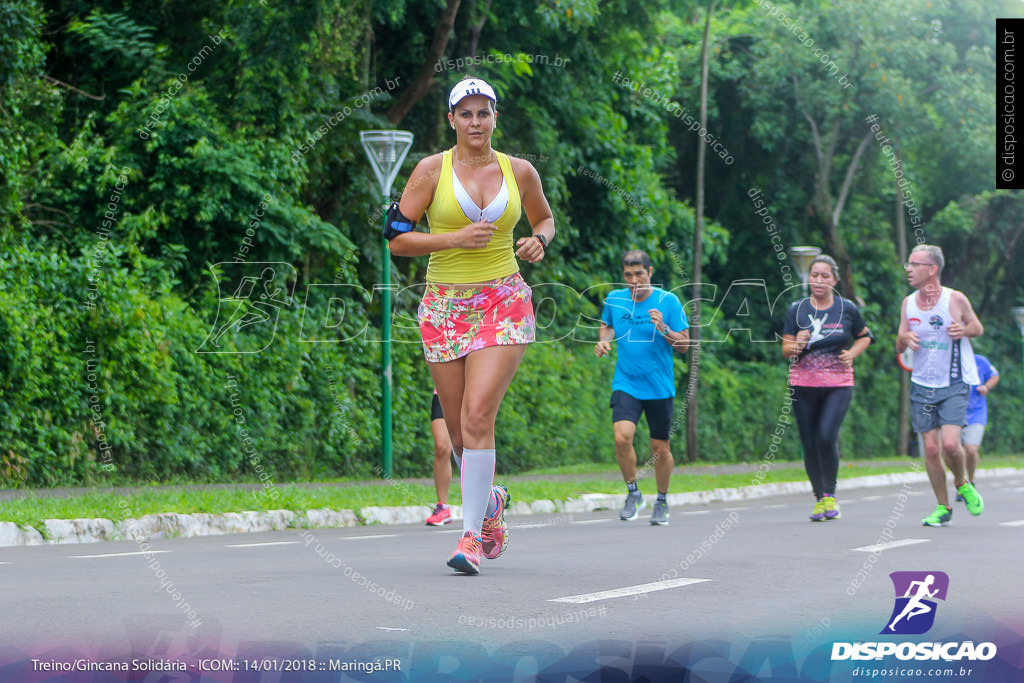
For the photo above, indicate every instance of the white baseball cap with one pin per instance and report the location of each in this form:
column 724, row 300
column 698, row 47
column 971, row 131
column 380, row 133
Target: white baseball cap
column 470, row 86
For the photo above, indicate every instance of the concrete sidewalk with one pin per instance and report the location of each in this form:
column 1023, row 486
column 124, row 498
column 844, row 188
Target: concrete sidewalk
column 170, row 525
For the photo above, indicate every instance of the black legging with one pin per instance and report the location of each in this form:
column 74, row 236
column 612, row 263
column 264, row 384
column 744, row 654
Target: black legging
column 819, row 414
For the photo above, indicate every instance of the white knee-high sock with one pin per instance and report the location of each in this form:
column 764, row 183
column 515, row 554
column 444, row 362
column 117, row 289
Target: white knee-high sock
column 458, row 459
column 477, row 478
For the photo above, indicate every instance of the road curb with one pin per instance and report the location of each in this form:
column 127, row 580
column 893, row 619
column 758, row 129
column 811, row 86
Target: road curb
column 171, row 525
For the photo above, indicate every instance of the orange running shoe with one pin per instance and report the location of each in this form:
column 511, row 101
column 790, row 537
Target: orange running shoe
column 466, row 558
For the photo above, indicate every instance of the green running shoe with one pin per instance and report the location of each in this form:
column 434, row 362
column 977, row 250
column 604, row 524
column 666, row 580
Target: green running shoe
column 972, row 499
column 831, row 508
column 818, row 515
column 942, row 516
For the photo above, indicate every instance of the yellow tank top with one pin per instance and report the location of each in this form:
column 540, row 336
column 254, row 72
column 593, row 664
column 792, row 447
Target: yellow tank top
column 497, row 259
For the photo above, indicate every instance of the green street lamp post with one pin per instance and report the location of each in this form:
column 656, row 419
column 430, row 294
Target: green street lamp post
column 386, row 150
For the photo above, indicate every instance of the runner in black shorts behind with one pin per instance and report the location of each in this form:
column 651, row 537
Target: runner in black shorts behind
column 442, row 513
column 647, row 322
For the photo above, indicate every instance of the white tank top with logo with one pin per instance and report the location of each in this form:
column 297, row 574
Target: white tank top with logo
column 940, row 361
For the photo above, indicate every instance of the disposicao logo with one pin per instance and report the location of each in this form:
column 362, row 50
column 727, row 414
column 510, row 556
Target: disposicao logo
column 916, row 595
column 913, row 613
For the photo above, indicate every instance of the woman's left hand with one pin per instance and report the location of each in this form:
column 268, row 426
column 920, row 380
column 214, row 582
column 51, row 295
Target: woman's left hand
column 846, row 358
column 529, row 249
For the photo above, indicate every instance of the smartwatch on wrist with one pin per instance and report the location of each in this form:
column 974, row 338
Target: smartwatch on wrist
column 543, row 240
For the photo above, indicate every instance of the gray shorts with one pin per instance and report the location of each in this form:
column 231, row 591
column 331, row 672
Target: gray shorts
column 972, row 435
column 932, row 408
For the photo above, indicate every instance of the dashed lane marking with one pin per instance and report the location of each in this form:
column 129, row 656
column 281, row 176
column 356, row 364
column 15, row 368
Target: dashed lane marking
column 260, row 545
column 591, row 521
column 879, row 547
column 363, row 538
column 639, row 589
column 140, row 552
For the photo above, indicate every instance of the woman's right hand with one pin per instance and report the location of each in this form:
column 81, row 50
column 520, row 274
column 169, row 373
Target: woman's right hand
column 473, row 236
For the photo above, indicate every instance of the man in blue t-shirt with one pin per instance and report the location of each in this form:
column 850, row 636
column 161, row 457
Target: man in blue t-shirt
column 977, row 414
column 647, row 322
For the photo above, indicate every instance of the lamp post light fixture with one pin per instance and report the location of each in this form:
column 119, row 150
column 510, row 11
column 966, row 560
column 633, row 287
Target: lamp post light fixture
column 386, row 150
column 802, row 257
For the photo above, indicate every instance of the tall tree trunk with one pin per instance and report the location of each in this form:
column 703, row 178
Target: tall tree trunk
column 828, row 212
column 476, row 25
column 425, row 81
column 692, row 445
column 901, row 246
column 371, row 39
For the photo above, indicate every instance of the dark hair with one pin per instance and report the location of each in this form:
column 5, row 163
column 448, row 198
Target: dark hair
column 829, row 261
column 636, row 257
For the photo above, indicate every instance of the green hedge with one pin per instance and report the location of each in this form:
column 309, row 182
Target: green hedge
column 165, row 412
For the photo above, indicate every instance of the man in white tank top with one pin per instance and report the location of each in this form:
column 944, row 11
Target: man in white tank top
column 937, row 323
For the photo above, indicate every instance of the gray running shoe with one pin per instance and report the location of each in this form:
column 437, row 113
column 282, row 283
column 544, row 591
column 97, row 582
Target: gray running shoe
column 660, row 514
column 631, row 510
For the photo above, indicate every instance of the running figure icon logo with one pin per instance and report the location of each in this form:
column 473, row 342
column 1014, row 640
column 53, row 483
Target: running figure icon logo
column 816, row 324
column 916, row 593
column 249, row 314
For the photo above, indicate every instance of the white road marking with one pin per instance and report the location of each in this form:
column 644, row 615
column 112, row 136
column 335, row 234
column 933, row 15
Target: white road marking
column 628, row 590
column 260, row 545
column 774, row 507
column 1019, row 522
column 870, row 498
column 591, row 521
column 363, row 538
column 879, row 547
column 141, row 552
column 391, row 628
column 701, row 512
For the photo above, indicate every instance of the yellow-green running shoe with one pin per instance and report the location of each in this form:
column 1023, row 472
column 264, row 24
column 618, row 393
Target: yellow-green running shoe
column 818, row 515
column 972, row 499
column 831, row 508
column 942, row 516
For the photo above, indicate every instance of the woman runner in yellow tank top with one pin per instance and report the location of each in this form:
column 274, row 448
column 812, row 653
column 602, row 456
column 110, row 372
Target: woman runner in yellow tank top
column 476, row 316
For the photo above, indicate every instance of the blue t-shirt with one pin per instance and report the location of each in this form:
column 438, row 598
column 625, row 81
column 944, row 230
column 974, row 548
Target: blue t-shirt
column 977, row 406
column 643, row 368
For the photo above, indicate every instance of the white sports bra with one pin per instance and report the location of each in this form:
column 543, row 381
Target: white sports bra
column 491, row 213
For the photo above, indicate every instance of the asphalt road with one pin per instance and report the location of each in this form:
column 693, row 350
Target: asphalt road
column 737, row 577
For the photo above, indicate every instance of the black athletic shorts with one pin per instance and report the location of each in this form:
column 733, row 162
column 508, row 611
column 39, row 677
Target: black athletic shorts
column 658, row 412
column 435, row 409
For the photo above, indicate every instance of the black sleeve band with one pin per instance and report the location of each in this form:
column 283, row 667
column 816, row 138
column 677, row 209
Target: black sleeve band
column 396, row 224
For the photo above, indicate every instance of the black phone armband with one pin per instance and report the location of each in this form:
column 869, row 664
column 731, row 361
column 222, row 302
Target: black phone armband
column 396, row 224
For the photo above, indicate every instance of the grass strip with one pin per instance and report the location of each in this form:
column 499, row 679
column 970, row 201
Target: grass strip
column 589, row 478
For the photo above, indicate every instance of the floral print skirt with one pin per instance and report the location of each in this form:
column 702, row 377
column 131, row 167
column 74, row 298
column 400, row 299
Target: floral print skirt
column 457, row 319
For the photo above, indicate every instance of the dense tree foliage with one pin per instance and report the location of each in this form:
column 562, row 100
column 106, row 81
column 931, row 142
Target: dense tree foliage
column 155, row 155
